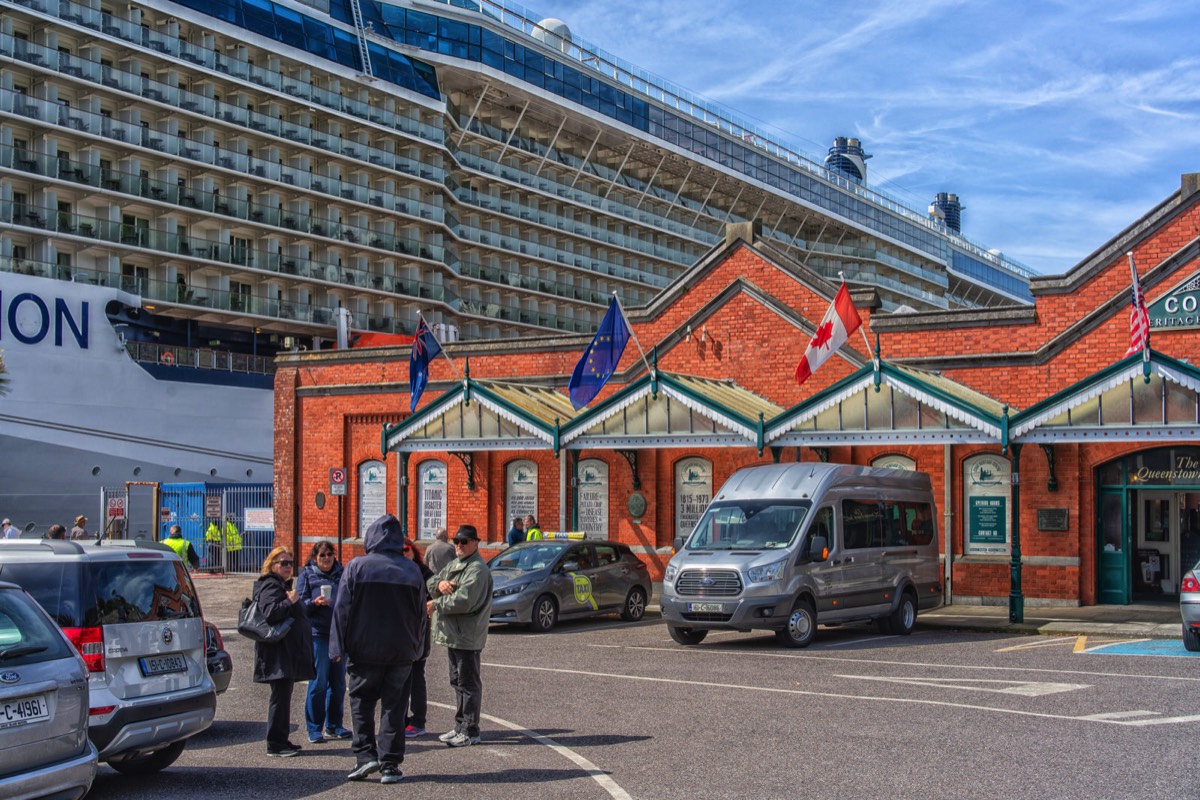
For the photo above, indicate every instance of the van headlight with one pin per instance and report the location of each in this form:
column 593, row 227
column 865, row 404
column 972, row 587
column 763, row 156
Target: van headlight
column 669, row 575
column 767, row 573
column 509, row 591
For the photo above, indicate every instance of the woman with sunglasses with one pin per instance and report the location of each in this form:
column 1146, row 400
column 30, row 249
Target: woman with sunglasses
column 418, row 702
column 326, row 704
column 283, row 663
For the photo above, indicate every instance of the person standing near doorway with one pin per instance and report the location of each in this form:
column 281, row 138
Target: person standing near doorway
column 532, row 532
column 440, row 552
column 517, row 532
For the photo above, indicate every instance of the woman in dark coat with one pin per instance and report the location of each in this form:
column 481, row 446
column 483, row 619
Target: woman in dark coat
column 418, row 698
column 287, row 661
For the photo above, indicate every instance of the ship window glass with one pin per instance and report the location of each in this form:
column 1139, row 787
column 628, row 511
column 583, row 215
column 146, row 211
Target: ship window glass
column 320, row 38
column 259, row 17
column 290, row 26
column 345, row 47
column 426, row 79
column 393, row 15
column 453, row 30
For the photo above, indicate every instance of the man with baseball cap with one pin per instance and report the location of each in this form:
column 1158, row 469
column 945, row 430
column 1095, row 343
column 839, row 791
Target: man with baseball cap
column 461, row 605
column 8, row 531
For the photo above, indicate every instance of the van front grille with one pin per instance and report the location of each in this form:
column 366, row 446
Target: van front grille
column 708, row 583
column 707, row 617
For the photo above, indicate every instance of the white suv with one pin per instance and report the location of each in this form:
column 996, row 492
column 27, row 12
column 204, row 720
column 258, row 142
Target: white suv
column 131, row 611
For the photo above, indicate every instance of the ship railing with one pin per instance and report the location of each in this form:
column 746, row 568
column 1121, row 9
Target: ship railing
column 168, row 43
column 204, row 358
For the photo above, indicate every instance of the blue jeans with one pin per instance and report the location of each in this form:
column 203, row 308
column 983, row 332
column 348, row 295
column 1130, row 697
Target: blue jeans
column 326, row 702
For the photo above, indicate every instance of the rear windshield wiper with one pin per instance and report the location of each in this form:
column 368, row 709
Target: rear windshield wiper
column 22, row 650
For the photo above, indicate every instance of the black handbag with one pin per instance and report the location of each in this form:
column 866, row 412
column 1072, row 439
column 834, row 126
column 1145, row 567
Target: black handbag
column 253, row 625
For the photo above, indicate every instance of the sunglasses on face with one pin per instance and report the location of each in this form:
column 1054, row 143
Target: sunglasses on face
column 408, row 549
column 324, row 555
column 286, row 563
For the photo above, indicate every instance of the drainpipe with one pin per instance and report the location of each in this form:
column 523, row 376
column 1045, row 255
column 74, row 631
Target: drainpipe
column 947, row 517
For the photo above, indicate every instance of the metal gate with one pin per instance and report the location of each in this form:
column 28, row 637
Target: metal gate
column 230, row 525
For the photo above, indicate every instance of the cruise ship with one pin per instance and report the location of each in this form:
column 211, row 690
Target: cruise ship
column 188, row 188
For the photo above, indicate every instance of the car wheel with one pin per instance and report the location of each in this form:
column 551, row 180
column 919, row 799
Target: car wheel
column 545, row 614
column 635, row 605
column 687, row 636
column 154, row 762
column 801, row 626
column 1191, row 639
column 901, row 621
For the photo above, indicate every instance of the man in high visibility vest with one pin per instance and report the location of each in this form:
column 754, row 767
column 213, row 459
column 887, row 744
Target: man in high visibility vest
column 532, row 532
column 182, row 546
column 221, row 539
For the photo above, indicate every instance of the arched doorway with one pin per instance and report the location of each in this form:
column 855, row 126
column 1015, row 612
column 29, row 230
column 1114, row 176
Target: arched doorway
column 1148, row 523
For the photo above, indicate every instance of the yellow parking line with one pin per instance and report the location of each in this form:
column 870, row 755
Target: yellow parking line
column 1080, row 644
column 1051, row 642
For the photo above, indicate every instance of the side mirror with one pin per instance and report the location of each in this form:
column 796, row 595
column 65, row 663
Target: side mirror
column 677, row 544
column 569, row 566
column 818, row 549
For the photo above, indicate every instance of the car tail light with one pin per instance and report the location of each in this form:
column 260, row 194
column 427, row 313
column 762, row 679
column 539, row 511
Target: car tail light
column 100, row 711
column 212, row 638
column 90, row 644
column 1190, row 583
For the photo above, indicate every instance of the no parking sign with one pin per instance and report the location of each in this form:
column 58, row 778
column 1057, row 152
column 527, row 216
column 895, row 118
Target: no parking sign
column 337, row 481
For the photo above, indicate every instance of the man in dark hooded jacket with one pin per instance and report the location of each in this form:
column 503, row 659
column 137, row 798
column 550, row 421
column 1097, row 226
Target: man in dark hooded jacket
column 379, row 627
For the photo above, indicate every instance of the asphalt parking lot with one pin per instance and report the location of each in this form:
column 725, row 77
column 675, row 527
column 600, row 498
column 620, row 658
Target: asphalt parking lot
column 605, row 709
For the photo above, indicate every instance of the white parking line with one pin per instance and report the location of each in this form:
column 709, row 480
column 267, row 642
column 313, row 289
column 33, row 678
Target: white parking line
column 1106, row 719
column 591, row 770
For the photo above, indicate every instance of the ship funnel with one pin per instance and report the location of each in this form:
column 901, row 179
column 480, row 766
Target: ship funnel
column 946, row 208
column 847, row 158
column 343, row 328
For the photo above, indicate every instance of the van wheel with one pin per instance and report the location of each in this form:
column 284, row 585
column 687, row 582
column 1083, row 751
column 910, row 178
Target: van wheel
column 1191, row 639
column 155, row 762
column 801, row 626
column 635, row 605
column 545, row 614
column 687, row 636
column 901, row 621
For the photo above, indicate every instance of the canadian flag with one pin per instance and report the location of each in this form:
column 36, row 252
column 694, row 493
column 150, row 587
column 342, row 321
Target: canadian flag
column 840, row 321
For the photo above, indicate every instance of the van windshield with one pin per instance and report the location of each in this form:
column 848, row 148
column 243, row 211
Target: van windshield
column 749, row 525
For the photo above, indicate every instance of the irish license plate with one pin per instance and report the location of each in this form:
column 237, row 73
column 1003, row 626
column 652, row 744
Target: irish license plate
column 706, row 608
column 161, row 665
column 24, row 711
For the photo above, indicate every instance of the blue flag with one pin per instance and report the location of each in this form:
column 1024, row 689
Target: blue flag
column 425, row 348
column 601, row 357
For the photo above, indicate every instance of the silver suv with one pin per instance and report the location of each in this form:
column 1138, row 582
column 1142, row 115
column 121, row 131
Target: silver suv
column 131, row 611
column 44, row 748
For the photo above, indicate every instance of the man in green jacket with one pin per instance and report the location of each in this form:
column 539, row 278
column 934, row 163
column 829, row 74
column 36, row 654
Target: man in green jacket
column 461, row 606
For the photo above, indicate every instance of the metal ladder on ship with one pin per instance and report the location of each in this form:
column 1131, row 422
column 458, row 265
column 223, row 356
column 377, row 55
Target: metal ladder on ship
column 363, row 54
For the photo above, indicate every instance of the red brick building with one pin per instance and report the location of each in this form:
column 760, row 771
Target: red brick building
column 1037, row 431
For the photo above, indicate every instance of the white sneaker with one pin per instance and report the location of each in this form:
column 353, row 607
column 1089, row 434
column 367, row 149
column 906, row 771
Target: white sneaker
column 447, row 736
column 462, row 740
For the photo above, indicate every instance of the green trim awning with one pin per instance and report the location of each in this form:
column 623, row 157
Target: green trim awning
column 1137, row 398
column 890, row 403
column 484, row 415
column 669, row 410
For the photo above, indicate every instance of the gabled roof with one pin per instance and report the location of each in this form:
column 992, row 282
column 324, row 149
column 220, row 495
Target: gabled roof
column 484, row 415
column 668, row 410
column 889, row 403
column 1156, row 397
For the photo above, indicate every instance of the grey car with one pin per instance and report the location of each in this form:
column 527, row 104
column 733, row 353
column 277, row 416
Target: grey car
column 537, row 583
column 1189, row 608
column 44, row 746
column 130, row 609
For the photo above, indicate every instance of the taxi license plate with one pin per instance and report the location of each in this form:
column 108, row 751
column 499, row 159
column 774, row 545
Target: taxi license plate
column 24, row 711
column 162, row 665
column 706, row 608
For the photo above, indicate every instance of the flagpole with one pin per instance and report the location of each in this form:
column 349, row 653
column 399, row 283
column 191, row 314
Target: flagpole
column 861, row 328
column 633, row 335
column 421, row 316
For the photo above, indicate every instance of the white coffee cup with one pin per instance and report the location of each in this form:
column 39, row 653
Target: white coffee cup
column 326, row 591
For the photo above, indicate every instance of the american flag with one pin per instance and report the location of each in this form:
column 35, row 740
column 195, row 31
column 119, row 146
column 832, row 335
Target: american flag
column 1139, row 316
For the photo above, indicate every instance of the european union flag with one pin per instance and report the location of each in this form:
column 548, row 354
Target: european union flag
column 601, row 357
column 425, row 348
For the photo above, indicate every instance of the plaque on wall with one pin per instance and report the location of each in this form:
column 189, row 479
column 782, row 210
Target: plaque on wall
column 372, row 493
column 431, row 498
column 521, row 498
column 986, row 490
column 1052, row 519
column 693, row 490
column 593, row 498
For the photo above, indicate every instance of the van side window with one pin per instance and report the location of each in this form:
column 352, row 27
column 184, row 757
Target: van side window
column 920, row 522
column 822, row 526
column 862, row 524
column 896, row 528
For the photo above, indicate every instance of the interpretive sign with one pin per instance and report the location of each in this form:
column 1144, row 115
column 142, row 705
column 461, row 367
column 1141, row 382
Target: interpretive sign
column 372, row 493
column 987, row 488
column 593, row 498
column 693, row 490
column 431, row 498
column 521, row 499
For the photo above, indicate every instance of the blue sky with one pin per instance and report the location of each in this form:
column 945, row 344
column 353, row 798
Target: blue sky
column 1058, row 124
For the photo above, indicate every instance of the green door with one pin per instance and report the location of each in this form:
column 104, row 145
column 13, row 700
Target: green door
column 1114, row 580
